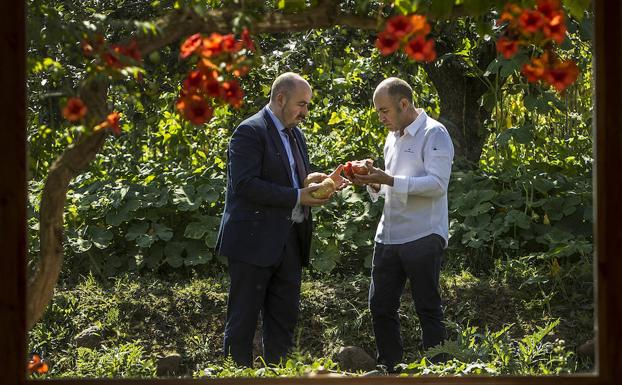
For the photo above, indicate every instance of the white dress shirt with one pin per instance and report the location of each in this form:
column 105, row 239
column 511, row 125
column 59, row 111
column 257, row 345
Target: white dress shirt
column 297, row 212
column 420, row 163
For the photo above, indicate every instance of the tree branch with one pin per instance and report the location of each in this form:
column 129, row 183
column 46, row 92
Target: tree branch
column 71, row 163
column 181, row 23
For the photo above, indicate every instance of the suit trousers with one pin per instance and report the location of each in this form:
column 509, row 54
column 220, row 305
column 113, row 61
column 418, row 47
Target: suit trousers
column 273, row 291
column 420, row 262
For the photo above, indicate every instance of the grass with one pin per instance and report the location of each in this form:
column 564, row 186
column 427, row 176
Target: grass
column 495, row 322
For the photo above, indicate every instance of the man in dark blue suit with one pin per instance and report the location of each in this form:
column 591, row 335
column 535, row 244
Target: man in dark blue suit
column 266, row 227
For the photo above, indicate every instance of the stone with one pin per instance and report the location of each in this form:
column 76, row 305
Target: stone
column 168, row 365
column 90, row 337
column 353, row 358
column 587, row 348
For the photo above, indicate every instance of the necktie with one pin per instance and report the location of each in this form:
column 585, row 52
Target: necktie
column 300, row 166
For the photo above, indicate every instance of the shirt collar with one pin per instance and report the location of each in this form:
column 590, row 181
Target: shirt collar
column 419, row 122
column 279, row 125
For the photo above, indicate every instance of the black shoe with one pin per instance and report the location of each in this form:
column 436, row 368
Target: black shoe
column 440, row 358
column 384, row 370
column 381, row 370
column 396, row 369
column 374, row 373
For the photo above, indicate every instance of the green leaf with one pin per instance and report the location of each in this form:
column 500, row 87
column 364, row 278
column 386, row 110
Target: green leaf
column 118, row 196
column 211, row 239
column 173, row 251
column 518, row 218
column 441, row 8
column 476, row 7
column 494, row 66
column 186, row 198
column 153, row 257
column 543, row 185
column 509, row 67
column 523, row 134
column 354, row 198
column 136, row 230
column 145, row 241
column 405, row 6
column 504, row 137
column 292, row 5
column 533, row 103
column 163, row 232
column 577, row 8
column 154, row 197
column 208, row 193
column 334, row 118
column 553, row 98
column 476, row 202
column 554, row 237
column 197, row 253
column 488, row 101
column 82, row 245
column 196, row 230
column 115, row 217
column 100, row 237
column 205, row 224
column 325, row 257
column 586, row 29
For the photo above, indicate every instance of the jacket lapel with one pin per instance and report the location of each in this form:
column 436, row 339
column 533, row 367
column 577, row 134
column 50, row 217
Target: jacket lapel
column 273, row 133
column 302, row 146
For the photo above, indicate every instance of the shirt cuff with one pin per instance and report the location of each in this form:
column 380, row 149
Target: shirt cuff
column 373, row 194
column 400, row 187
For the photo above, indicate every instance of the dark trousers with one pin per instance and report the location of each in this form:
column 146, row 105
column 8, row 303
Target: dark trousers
column 275, row 292
column 420, row 262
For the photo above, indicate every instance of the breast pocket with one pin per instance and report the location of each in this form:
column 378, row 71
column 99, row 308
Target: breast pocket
column 410, row 163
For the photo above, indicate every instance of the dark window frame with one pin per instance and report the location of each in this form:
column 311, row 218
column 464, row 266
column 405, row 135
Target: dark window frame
column 608, row 209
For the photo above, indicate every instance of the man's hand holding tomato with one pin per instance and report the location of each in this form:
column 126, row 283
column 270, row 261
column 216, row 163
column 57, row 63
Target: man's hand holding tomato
column 363, row 172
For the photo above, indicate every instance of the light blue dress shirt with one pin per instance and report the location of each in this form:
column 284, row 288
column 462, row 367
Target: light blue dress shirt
column 297, row 213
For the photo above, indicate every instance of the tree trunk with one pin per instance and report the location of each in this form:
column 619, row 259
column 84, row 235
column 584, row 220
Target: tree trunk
column 69, row 165
column 459, row 94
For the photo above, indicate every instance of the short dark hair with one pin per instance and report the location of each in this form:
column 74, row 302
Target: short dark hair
column 397, row 89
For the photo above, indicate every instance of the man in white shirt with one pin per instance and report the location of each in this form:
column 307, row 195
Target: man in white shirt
column 413, row 230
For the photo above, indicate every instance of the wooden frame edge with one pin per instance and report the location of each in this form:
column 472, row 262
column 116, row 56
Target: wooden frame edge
column 608, row 237
column 13, row 193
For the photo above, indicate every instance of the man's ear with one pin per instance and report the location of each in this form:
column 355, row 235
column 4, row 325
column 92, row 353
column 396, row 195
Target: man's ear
column 281, row 99
column 404, row 104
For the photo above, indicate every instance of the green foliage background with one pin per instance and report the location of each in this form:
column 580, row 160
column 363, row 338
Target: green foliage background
column 151, row 202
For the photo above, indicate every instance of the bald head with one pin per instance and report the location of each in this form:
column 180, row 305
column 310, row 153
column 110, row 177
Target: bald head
column 393, row 100
column 396, row 88
column 289, row 98
column 286, row 84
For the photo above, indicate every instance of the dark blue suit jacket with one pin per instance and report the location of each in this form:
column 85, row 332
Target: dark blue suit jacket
column 260, row 195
